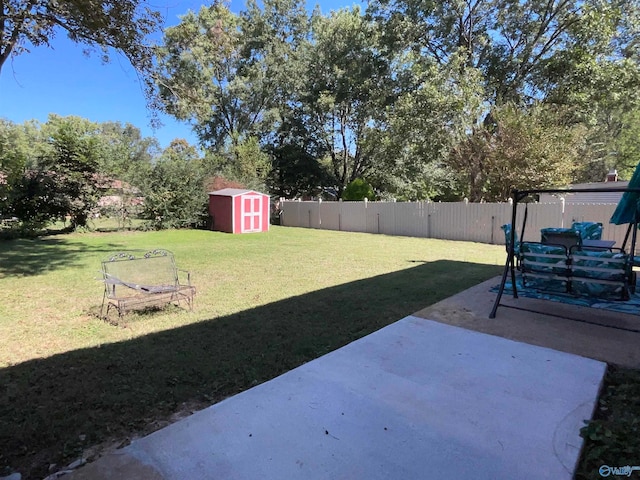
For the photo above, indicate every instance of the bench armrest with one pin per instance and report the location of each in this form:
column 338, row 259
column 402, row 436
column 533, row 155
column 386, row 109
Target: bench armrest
column 188, row 275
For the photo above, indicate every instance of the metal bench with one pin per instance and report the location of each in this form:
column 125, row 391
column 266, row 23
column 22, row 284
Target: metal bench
column 137, row 280
column 600, row 273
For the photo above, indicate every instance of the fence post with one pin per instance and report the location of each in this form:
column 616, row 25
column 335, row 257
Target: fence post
column 395, row 218
column 493, row 226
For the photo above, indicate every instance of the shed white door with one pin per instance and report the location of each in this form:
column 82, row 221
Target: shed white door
column 251, row 213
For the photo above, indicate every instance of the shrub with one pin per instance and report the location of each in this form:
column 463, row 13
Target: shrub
column 358, row 190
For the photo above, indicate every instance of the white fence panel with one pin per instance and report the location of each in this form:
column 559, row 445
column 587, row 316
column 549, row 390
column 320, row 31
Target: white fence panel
column 477, row 222
column 539, row 216
column 410, row 219
column 313, row 212
column 486, row 220
column 301, row 214
column 372, row 218
column 353, row 216
column 447, row 220
column 290, row 214
column 388, row 218
column 381, row 217
column 329, row 215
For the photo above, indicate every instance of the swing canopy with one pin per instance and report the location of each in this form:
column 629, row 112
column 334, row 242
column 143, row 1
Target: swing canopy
column 627, row 209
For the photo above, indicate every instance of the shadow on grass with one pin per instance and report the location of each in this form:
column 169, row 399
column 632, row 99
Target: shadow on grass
column 35, row 256
column 50, row 409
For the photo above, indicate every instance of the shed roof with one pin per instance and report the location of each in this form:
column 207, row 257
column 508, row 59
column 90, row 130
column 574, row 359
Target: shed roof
column 233, row 192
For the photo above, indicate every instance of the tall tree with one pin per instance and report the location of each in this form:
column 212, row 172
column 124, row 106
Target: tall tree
column 296, row 160
column 581, row 55
column 517, row 149
column 435, row 107
column 273, row 37
column 245, row 163
column 627, row 147
column 277, row 35
column 14, row 148
column 238, row 80
column 126, row 154
column 347, row 91
column 62, row 180
column 596, row 79
column 122, row 25
column 510, row 41
column 203, row 77
column 174, row 188
column 74, row 165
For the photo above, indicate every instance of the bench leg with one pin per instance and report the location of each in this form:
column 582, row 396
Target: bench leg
column 104, row 297
column 187, row 298
column 123, row 306
column 109, row 307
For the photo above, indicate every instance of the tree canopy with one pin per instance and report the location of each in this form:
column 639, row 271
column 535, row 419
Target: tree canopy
column 420, row 99
column 123, row 25
column 60, row 168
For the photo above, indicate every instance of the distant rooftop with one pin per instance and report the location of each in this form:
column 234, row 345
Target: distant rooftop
column 587, row 197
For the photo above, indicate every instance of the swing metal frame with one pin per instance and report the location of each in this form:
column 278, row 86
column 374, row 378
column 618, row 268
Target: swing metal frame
column 517, row 197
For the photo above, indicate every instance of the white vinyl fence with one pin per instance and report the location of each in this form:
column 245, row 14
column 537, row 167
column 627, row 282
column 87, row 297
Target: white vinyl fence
column 475, row 222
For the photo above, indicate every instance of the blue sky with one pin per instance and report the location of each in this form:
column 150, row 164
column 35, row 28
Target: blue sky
column 64, row 81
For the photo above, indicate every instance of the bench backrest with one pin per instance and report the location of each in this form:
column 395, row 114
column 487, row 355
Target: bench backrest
column 588, row 230
column 561, row 236
column 544, row 267
column 599, row 273
column 156, row 268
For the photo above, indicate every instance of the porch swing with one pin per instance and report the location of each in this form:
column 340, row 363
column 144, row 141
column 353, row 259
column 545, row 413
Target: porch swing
column 554, row 266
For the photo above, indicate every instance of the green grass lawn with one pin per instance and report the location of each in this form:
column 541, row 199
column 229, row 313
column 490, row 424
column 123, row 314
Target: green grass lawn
column 266, row 303
column 71, row 383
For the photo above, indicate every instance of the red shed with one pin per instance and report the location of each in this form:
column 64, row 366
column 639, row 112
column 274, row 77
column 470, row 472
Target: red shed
column 234, row 210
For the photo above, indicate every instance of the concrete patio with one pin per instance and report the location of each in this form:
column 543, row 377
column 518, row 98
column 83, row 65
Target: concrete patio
column 603, row 335
column 421, row 398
